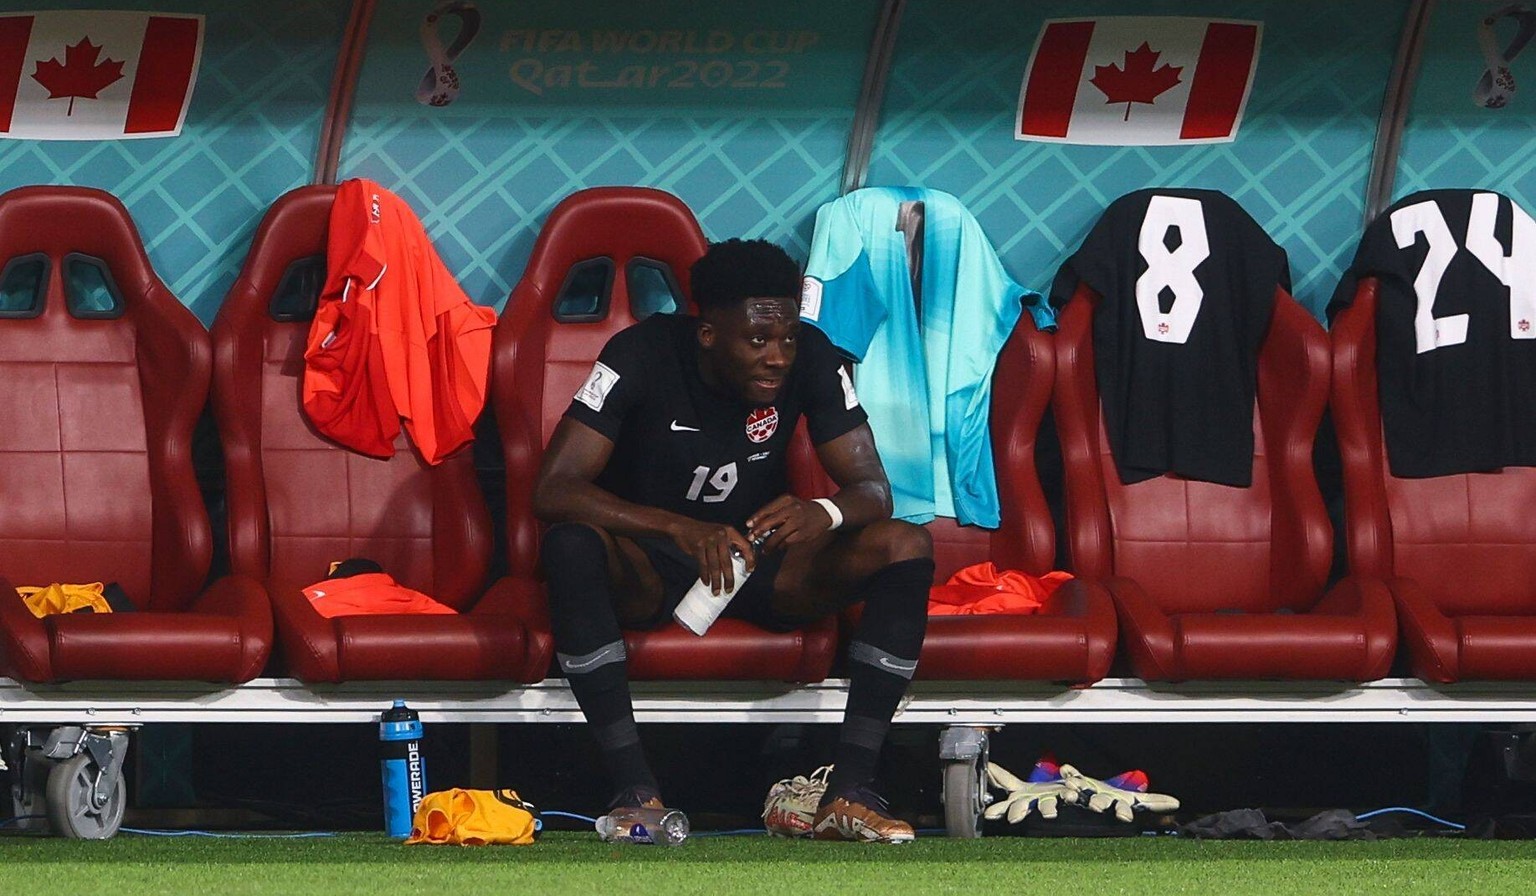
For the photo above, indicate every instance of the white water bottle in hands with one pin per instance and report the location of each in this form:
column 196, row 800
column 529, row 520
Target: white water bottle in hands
column 701, row 606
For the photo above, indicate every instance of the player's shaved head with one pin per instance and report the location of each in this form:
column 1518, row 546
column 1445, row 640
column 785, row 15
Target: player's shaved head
column 736, row 269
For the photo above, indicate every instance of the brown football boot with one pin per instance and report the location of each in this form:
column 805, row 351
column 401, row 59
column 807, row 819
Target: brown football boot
column 860, row 815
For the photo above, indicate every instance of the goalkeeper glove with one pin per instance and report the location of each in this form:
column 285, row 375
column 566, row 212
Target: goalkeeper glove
column 1023, row 796
column 1101, row 795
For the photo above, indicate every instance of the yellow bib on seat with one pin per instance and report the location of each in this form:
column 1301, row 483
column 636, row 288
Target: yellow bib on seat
column 64, row 598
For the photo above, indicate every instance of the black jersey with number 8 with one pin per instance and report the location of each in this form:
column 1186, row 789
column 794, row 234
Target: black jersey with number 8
column 1187, row 283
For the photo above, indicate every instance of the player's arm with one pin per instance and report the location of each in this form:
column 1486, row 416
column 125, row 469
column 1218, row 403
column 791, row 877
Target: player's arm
column 567, row 492
column 863, row 494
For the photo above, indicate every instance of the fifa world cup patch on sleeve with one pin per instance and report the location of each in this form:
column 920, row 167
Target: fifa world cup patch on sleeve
column 810, row 298
column 595, row 390
column 850, row 397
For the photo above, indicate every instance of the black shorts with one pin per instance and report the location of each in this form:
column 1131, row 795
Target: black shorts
column 678, row 571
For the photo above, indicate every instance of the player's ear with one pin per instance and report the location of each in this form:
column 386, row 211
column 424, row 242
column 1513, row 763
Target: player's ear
column 706, row 334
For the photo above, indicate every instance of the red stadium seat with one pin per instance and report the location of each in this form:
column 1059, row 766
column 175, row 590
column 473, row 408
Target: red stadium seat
column 1458, row 551
column 105, row 375
column 1214, row 581
column 298, row 502
column 1072, row 637
column 629, row 241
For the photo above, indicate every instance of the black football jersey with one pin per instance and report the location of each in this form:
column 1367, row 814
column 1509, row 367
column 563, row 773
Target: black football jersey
column 1455, row 330
column 683, row 447
column 1187, row 281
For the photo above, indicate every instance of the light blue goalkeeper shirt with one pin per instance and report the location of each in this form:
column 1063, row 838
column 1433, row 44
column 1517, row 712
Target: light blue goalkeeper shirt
column 926, row 383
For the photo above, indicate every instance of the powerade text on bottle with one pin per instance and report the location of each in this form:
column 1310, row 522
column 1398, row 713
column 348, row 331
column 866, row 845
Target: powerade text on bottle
column 404, row 769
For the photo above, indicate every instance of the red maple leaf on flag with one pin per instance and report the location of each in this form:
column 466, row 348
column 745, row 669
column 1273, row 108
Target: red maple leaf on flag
column 80, row 75
column 1139, row 82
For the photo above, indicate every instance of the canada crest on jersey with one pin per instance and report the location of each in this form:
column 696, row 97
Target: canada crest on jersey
column 762, row 423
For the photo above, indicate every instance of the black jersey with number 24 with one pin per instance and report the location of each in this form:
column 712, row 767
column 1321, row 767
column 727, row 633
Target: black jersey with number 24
column 680, row 445
column 1455, row 330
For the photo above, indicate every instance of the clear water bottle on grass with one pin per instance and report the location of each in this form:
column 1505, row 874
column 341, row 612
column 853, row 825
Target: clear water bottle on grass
column 639, row 825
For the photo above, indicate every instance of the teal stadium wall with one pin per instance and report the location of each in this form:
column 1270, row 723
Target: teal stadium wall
column 745, row 109
column 742, row 109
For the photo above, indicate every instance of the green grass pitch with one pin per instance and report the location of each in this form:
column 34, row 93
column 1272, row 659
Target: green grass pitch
column 578, row 863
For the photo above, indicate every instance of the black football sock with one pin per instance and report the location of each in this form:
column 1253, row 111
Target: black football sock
column 590, row 648
column 881, row 660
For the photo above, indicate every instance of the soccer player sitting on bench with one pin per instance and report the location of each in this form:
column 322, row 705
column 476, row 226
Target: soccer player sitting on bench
column 671, row 456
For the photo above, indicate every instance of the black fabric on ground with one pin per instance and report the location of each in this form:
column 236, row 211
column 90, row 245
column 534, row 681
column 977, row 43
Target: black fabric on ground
column 1251, row 824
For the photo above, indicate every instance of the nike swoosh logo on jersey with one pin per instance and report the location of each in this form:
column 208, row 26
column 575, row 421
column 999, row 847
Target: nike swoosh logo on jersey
column 319, row 594
column 678, row 427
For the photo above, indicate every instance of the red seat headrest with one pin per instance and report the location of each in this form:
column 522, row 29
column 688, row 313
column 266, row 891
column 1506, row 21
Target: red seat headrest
column 619, row 223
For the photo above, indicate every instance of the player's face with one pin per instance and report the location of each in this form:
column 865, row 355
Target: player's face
column 751, row 347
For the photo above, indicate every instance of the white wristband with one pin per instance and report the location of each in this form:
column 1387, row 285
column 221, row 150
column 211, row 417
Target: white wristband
column 832, row 511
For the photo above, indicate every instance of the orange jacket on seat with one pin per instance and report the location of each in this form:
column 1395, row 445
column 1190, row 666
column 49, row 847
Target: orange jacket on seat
column 370, row 593
column 980, row 589
column 394, row 336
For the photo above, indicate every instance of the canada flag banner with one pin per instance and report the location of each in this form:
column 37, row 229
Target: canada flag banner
column 96, row 74
column 1138, row 81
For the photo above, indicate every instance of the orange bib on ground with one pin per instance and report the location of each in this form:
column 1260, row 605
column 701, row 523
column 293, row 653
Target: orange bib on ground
column 473, row 818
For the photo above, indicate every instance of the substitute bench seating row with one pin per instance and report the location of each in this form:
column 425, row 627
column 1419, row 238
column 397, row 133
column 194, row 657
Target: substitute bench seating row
column 1195, row 580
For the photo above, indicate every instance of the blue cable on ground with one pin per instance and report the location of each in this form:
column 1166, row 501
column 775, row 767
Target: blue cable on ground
column 1450, row 824
column 557, row 812
column 222, row 836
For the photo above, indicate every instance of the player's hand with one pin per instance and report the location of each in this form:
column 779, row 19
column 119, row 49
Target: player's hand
column 1023, row 797
column 710, row 544
column 1101, row 796
column 789, row 520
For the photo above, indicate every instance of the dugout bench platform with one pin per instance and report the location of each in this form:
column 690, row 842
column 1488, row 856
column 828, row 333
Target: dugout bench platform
column 79, row 730
column 944, row 703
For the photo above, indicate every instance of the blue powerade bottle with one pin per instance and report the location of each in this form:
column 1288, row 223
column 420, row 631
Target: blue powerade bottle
column 403, row 767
